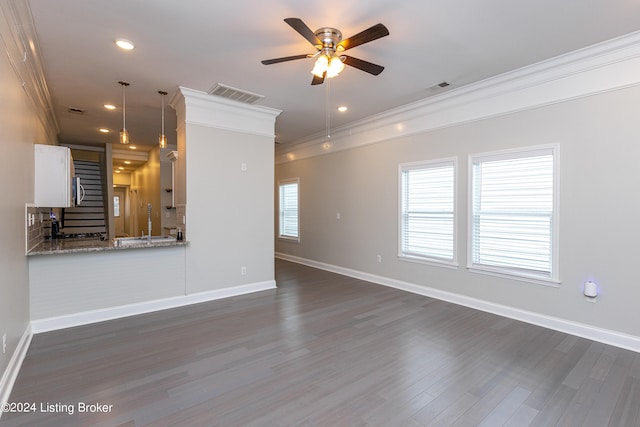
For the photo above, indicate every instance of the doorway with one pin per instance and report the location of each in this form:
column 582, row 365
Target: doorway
column 121, row 211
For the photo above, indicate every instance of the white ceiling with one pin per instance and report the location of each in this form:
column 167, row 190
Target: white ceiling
column 197, row 43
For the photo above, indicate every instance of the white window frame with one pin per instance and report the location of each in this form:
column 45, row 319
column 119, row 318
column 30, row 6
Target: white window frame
column 551, row 279
column 421, row 258
column 282, row 183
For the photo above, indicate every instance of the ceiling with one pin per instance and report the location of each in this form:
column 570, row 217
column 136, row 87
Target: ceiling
column 196, row 44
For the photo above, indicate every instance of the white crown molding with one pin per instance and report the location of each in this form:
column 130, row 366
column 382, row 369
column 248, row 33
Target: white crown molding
column 603, row 67
column 200, row 108
column 20, row 42
column 606, row 336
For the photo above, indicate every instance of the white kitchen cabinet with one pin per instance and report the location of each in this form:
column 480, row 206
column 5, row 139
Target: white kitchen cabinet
column 53, row 176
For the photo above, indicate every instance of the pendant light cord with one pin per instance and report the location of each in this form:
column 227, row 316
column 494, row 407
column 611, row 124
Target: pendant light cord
column 124, row 104
column 163, row 138
column 162, row 93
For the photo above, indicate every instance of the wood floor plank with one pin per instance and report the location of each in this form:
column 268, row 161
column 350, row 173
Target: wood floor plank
column 325, row 350
column 523, row 417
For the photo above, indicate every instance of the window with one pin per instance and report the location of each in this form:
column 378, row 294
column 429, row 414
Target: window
column 289, row 227
column 427, row 211
column 513, row 213
column 116, row 206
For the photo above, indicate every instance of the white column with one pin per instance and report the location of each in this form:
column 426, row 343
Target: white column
column 224, row 188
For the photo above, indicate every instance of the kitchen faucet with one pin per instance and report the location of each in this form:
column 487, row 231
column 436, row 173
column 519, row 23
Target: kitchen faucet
column 149, row 221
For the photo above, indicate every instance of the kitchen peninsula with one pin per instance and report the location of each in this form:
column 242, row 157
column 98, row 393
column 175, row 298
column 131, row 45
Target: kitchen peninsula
column 229, row 251
column 65, row 246
column 78, row 281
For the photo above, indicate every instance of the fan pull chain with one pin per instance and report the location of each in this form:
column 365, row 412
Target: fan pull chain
column 327, row 109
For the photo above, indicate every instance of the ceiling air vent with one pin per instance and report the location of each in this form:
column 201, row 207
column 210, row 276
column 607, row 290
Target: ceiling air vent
column 440, row 85
column 74, row 110
column 235, row 94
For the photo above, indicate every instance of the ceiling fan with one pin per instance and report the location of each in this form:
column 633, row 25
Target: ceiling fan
column 329, row 45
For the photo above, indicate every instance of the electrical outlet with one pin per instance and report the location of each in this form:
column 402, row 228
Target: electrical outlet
column 4, row 343
column 243, row 271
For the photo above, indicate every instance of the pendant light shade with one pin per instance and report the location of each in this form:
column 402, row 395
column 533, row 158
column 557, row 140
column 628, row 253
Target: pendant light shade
column 163, row 138
column 124, row 133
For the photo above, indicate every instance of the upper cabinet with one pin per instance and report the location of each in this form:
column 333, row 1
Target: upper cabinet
column 53, row 176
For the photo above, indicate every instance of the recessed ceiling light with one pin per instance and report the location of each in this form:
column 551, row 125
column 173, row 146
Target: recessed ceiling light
column 124, row 44
column 109, row 106
column 117, row 171
column 127, row 162
column 132, row 147
column 121, row 168
column 103, row 130
column 342, row 108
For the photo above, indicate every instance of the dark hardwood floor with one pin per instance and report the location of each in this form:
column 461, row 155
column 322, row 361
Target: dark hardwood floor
column 324, row 350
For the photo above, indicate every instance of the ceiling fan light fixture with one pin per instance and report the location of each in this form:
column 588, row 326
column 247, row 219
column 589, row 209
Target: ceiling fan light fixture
column 321, row 66
column 335, row 67
column 329, row 45
column 331, row 65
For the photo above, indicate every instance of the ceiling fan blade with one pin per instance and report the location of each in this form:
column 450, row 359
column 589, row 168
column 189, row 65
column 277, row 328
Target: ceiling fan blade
column 283, row 59
column 370, row 34
column 303, row 30
column 360, row 64
column 318, row 80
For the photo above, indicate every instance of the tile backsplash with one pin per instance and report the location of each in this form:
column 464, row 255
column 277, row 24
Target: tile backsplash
column 181, row 219
column 39, row 229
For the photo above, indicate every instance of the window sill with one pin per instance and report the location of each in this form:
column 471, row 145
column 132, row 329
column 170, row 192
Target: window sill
column 507, row 274
column 289, row 239
column 429, row 261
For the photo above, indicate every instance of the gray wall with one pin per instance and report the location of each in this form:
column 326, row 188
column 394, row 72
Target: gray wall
column 20, row 130
column 229, row 211
column 599, row 207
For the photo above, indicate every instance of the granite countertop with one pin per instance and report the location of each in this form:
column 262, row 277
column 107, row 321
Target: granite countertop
column 94, row 244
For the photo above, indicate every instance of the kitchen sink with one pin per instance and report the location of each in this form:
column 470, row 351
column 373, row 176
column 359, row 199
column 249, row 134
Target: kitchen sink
column 127, row 241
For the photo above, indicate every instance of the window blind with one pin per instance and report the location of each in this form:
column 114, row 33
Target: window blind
column 512, row 212
column 427, row 212
column 289, row 221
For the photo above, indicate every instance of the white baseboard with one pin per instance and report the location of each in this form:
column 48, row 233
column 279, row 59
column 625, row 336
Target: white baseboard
column 606, row 336
column 93, row 316
column 11, row 373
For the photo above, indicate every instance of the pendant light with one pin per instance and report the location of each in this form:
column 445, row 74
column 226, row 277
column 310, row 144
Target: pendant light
column 124, row 134
column 163, row 138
